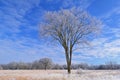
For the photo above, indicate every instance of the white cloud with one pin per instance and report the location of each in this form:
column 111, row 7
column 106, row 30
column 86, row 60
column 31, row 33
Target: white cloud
column 28, row 46
column 108, row 45
column 102, row 48
column 78, row 3
column 12, row 14
column 114, row 11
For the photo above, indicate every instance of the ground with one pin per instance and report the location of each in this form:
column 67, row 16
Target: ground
column 59, row 75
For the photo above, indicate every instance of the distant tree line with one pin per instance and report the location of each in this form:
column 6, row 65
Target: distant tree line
column 46, row 63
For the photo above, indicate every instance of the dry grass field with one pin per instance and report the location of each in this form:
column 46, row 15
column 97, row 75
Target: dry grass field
column 59, row 75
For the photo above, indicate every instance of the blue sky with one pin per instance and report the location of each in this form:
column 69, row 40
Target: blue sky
column 19, row 26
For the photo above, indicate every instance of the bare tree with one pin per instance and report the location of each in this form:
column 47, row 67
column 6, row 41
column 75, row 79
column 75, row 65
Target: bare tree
column 69, row 27
column 57, row 66
column 37, row 65
column 46, row 63
column 111, row 65
column 12, row 65
column 1, row 68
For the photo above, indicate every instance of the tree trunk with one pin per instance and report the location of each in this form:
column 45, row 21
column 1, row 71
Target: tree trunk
column 69, row 68
column 45, row 67
column 68, row 61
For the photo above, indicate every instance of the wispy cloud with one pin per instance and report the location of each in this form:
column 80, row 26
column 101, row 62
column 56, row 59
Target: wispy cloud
column 112, row 17
column 12, row 14
column 78, row 3
column 114, row 11
column 101, row 48
column 27, row 46
column 109, row 45
column 19, row 36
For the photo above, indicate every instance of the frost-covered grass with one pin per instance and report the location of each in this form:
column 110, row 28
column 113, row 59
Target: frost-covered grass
column 59, row 75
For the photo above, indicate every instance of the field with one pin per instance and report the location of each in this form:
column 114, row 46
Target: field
column 59, row 75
